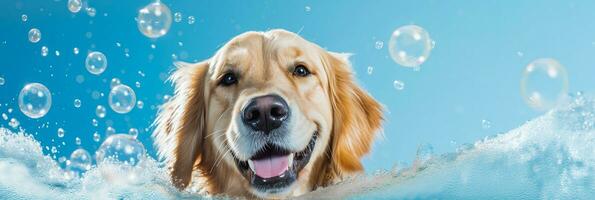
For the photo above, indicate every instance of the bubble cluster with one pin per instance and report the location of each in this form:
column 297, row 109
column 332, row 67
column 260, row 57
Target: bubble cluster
column 96, row 62
column 80, row 161
column 100, row 111
column 35, row 100
column 544, row 84
column 75, row 6
column 121, row 148
column 122, row 99
column 34, row 35
column 154, row 20
column 410, row 46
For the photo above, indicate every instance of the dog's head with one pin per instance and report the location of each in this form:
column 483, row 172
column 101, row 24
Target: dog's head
column 270, row 114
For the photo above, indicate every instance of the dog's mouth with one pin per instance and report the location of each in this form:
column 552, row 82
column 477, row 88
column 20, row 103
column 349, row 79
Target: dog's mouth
column 273, row 168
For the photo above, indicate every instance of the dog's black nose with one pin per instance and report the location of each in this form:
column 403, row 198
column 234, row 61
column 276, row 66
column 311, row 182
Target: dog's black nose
column 265, row 113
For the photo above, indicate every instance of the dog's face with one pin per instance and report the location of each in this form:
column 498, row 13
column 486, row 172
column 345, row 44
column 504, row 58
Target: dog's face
column 265, row 111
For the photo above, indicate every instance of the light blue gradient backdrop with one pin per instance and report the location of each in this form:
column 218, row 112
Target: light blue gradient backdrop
column 472, row 74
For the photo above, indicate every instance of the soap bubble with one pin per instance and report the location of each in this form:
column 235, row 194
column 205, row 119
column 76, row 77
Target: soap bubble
column 80, row 162
column 94, row 122
column 100, row 111
column 379, row 44
column 24, row 18
column 544, row 84
column 75, row 51
column 410, row 46
column 486, row 124
column 91, row 11
column 2, row 81
column 122, row 99
column 154, row 20
column 140, row 104
column 35, row 100
column 191, row 19
column 96, row 136
column 114, row 83
column 44, row 51
column 77, row 103
column 177, row 17
column 77, row 141
column 307, row 8
column 14, row 123
column 96, row 62
column 133, row 132
column 121, row 148
column 399, row 85
column 74, row 5
column 110, row 131
column 34, row 35
column 121, row 158
column 60, row 132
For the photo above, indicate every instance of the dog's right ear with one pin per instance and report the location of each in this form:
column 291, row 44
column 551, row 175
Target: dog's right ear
column 180, row 124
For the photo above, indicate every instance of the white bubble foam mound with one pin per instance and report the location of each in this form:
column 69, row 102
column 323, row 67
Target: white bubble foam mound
column 551, row 157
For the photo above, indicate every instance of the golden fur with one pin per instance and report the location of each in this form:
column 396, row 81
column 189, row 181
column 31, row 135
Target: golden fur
column 196, row 130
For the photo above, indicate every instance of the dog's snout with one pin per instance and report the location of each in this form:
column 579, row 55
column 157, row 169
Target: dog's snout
column 265, row 113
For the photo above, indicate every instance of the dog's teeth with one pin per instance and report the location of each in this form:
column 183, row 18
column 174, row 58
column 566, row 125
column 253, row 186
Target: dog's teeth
column 291, row 160
column 251, row 164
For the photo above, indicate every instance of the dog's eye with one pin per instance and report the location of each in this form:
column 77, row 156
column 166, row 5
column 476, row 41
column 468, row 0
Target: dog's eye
column 228, row 79
column 301, row 70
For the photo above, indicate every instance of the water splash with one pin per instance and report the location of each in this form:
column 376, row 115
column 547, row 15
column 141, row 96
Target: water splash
column 550, row 157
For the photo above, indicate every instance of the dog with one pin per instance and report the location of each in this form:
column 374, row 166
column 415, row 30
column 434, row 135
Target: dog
column 270, row 115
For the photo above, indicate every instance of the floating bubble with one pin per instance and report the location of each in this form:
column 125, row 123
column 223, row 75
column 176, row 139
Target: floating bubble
column 60, row 132
column 80, row 161
column 399, row 85
column 75, row 51
column 77, row 103
column 379, row 44
column 91, row 11
column 24, row 18
column 140, row 104
column 486, row 124
column 96, row 136
column 137, row 84
column 96, row 62
column 14, row 123
column 154, row 20
column 44, row 51
column 191, row 19
column 121, row 148
column 94, row 122
column 110, row 131
column 35, row 100
column 100, row 111
column 370, row 70
column 122, row 99
column 2, row 81
column 34, row 35
column 133, row 132
column 75, row 5
column 410, row 46
column 114, row 82
column 544, row 84
column 307, row 8
column 177, row 17
column 77, row 141
column 79, row 79
column 57, row 53
column 54, row 150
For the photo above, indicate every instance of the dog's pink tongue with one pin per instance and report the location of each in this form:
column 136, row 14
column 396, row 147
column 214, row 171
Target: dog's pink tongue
column 271, row 166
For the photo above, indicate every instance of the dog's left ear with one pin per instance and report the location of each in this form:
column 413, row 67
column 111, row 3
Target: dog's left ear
column 356, row 116
column 180, row 124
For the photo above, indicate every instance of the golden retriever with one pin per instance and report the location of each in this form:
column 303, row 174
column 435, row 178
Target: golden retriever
column 270, row 115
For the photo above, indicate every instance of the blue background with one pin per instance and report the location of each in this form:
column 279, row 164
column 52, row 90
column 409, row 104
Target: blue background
column 472, row 74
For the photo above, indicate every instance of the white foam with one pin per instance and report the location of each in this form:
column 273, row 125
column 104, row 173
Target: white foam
column 551, row 157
